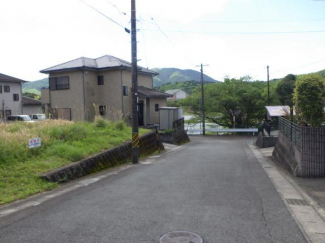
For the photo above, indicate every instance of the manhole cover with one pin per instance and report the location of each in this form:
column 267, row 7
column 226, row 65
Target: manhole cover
column 180, row 237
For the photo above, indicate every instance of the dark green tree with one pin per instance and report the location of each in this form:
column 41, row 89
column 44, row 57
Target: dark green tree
column 285, row 89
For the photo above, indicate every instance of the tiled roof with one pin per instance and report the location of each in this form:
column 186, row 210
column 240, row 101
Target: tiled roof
column 30, row 101
column 172, row 91
column 104, row 62
column 6, row 78
column 151, row 93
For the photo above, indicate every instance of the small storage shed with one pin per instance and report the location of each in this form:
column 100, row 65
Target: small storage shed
column 167, row 116
column 276, row 111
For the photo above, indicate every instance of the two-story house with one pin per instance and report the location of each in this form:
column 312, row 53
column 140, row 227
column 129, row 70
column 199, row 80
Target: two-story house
column 84, row 88
column 10, row 96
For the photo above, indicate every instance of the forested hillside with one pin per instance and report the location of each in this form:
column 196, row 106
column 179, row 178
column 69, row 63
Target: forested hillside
column 173, row 75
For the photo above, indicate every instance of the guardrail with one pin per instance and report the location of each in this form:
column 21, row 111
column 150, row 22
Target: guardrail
column 224, row 130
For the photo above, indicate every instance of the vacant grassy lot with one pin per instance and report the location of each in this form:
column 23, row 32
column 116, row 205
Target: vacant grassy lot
column 63, row 142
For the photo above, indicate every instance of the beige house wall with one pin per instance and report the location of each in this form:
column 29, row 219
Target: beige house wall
column 72, row 98
column 91, row 94
column 45, row 96
column 8, row 97
column 143, row 80
column 85, row 95
column 154, row 115
column 110, row 94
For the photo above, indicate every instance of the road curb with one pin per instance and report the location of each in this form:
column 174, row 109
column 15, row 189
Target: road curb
column 308, row 219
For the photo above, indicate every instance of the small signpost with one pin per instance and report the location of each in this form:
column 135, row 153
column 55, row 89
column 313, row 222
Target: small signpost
column 34, row 142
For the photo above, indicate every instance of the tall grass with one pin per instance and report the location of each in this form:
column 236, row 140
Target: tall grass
column 63, row 142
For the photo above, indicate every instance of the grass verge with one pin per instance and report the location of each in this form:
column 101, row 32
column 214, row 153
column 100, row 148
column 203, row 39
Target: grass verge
column 63, row 142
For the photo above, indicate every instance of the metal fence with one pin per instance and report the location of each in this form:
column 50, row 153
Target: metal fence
column 291, row 131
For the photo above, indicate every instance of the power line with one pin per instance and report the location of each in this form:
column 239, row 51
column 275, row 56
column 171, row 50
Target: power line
column 300, row 66
column 249, row 21
column 162, row 31
column 117, row 8
column 243, row 33
column 144, row 46
column 164, row 34
column 126, row 29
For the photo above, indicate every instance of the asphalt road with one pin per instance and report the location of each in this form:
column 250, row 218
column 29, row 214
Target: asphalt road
column 212, row 186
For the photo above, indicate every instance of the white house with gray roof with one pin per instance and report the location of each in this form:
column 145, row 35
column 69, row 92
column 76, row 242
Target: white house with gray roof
column 85, row 88
column 10, row 96
column 177, row 94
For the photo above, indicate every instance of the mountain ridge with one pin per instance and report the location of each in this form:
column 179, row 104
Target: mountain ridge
column 173, row 75
column 166, row 75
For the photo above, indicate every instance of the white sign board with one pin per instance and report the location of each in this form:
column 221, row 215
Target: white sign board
column 34, row 142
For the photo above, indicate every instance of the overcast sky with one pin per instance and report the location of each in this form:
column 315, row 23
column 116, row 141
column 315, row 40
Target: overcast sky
column 235, row 37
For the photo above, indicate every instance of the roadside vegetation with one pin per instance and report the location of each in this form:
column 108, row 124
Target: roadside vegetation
column 243, row 100
column 63, row 142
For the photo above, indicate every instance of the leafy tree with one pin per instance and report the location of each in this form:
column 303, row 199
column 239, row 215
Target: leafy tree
column 309, row 102
column 32, row 95
column 285, row 89
column 172, row 103
column 237, row 98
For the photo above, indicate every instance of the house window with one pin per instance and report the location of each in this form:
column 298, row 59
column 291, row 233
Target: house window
column 102, row 110
column 0, row 89
column 6, row 88
column 16, row 97
column 125, row 91
column 156, row 107
column 59, row 83
column 100, row 80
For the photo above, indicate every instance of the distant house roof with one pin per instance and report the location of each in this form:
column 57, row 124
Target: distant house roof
column 30, row 101
column 6, row 78
column 173, row 91
column 101, row 63
column 151, row 93
column 278, row 110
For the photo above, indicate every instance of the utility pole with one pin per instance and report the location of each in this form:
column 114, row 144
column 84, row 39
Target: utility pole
column 268, row 85
column 134, row 70
column 3, row 111
column 202, row 99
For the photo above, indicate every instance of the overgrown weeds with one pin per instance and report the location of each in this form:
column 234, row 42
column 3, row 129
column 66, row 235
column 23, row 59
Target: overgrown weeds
column 63, row 142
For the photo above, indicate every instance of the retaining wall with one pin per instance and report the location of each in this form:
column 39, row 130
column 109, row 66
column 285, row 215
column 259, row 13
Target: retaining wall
column 109, row 158
column 265, row 142
column 287, row 154
column 178, row 136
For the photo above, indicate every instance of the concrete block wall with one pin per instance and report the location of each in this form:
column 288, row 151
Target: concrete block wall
column 107, row 159
column 288, row 155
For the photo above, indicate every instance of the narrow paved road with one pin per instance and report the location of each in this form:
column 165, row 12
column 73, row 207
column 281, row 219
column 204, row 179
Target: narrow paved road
column 212, row 186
